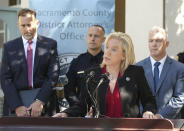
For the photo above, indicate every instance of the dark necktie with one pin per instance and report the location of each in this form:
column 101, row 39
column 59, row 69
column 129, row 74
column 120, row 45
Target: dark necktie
column 156, row 75
column 29, row 63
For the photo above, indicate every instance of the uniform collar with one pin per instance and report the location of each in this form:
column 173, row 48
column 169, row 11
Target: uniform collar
column 99, row 55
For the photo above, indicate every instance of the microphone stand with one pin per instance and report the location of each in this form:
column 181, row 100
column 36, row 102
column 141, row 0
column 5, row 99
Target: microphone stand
column 96, row 112
column 104, row 77
column 93, row 99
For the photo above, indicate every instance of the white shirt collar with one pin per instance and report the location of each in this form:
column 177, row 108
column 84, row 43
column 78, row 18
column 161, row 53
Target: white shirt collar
column 162, row 61
column 26, row 41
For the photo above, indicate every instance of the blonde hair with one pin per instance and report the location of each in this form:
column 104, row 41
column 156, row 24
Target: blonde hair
column 127, row 47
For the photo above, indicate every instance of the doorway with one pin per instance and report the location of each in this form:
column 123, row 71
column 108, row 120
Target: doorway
column 8, row 26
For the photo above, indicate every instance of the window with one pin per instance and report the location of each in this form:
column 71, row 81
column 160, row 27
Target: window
column 1, row 33
column 14, row 2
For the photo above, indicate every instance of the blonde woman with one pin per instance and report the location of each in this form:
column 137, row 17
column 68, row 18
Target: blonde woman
column 126, row 86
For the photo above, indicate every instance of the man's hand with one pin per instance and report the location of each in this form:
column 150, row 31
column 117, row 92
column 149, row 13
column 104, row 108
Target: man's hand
column 36, row 108
column 90, row 113
column 148, row 115
column 60, row 115
column 22, row 111
column 158, row 116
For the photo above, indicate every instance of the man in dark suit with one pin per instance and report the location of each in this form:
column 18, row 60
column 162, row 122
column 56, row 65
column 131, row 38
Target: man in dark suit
column 168, row 85
column 28, row 62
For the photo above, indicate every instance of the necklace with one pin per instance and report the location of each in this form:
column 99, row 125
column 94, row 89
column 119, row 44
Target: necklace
column 111, row 78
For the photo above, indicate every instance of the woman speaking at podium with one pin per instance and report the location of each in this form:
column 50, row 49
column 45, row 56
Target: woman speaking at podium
column 116, row 87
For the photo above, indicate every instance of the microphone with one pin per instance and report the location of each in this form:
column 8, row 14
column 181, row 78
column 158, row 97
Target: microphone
column 86, row 73
column 91, row 74
column 96, row 112
column 104, row 77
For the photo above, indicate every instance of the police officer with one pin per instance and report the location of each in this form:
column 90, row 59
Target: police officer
column 93, row 56
column 180, row 57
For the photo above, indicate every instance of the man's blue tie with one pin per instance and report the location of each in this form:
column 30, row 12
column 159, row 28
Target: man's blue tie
column 156, row 75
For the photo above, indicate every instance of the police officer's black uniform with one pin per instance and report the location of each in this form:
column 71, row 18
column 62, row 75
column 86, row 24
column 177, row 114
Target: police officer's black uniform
column 75, row 81
column 180, row 57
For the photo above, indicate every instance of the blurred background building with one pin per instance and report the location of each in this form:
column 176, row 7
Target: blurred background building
column 135, row 17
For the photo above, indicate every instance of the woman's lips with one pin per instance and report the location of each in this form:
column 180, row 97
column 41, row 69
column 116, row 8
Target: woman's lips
column 106, row 58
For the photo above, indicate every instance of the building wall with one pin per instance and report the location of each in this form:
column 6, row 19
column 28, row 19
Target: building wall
column 141, row 15
column 4, row 2
column 24, row 3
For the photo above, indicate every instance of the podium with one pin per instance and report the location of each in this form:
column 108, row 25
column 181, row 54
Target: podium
column 84, row 124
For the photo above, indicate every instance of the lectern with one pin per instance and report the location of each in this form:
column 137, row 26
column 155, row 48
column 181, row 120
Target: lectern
column 84, row 124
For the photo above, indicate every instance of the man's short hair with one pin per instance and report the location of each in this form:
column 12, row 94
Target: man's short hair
column 159, row 29
column 25, row 11
column 100, row 27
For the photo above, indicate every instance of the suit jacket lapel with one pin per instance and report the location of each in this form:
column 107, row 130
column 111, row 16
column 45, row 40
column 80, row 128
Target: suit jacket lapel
column 164, row 72
column 36, row 57
column 21, row 53
column 149, row 74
